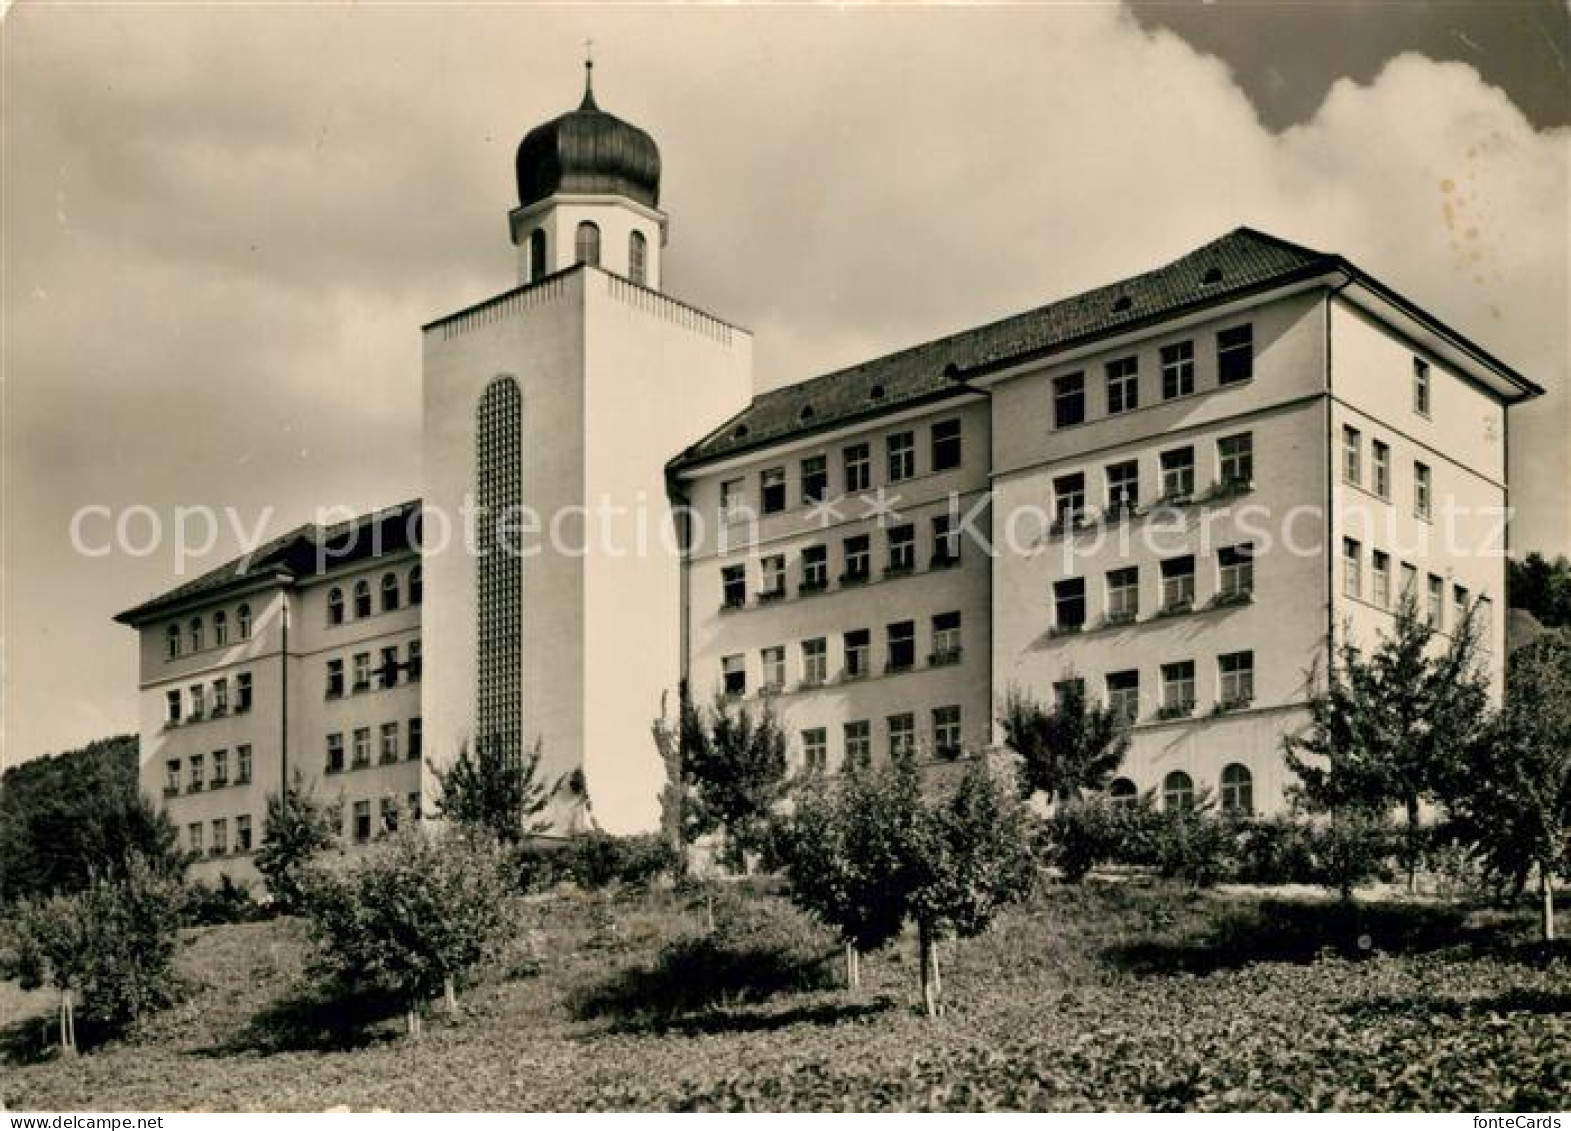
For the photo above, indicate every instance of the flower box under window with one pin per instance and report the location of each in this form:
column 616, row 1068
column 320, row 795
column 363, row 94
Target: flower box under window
column 944, row 658
column 769, row 596
column 1180, row 710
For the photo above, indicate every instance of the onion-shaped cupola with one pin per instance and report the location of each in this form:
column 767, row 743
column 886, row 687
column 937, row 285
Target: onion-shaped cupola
column 588, row 192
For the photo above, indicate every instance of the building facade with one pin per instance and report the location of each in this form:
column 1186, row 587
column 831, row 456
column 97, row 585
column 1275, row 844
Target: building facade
column 1174, row 490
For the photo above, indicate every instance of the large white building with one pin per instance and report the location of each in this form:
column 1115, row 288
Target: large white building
column 1174, row 488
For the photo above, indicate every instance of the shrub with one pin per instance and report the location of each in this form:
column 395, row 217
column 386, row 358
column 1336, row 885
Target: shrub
column 1078, row 837
column 1352, row 848
column 413, row 917
column 599, row 860
column 295, row 831
column 209, row 905
column 1193, row 846
column 1274, row 850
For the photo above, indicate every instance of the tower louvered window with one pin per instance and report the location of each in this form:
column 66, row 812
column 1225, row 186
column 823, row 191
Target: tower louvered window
column 499, row 491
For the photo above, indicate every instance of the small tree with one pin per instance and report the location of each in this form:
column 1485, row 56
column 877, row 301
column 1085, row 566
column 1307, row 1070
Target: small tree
column 1514, row 800
column 494, row 792
column 1392, row 724
column 113, row 944
column 413, row 917
column 1077, row 746
column 736, row 762
column 682, row 818
column 295, row 831
column 972, row 858
column 846, row 855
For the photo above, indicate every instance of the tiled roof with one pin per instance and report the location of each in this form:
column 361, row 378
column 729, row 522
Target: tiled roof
column 305, row 551
column 1241, row 261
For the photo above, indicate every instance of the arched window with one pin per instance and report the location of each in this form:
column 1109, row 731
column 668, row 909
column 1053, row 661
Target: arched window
column 587, row 245
column 1122, row 793
column 172, row 642
column 1238, row 789
column 335, row 606
column 637, row 252
column 243, row 616
column 1178, row 791
column 389, row 592
column 220, row 628
column 416, row 592
column 196, row 634
column 537, row 255
column 362, row 598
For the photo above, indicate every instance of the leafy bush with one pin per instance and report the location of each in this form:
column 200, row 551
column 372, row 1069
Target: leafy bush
column 1352, row 848
column 1194, row 846
column 295, row 831
column 599, row 859
column 1274, row 850
column 209, row 905
column 413, row 917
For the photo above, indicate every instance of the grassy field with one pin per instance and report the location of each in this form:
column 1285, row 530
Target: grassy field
column 1108, row 996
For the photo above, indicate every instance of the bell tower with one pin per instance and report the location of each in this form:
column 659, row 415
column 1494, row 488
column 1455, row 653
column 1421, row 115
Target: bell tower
column 588, row 192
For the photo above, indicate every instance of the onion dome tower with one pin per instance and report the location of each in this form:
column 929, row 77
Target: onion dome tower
column 588, row 192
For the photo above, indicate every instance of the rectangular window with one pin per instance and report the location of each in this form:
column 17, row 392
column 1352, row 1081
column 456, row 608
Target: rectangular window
column 902, row 549
column 815, row 569
column 387, row 669
column 1235, row 355
column 1069, row 498
column 220, row 697
column 1437, row 603
column 197, row 701
column 172, row 776
column 413, row 801
column 1178, row 474
column 1380, row 459
column 772, row 489
column 859, row 743
column 733, row 674
column 901, row 447
column 773, row 569
column 243, row 692
column 815, row 750
column 1236, row 672
column 1420, row 386
column 1409, row 582
column 1123, row 595
column 858, row 646
column 902, row 735
column 946, row 639
column 413, row 665
column 1069, row 400
column 1352, row 568
column 198, row 772
column 220, row 768
column 946, row 731
column 859, row 560
column 1123, row 487
column 1422, row 491
column 389, row 814
column 1235, row 459
column 242, row 764
column 362, row 671
column 243, row 834
column 220, row 836
column 389, row 742
column 335, row 753
column 1380, row 573
column 1352, row 455
column 774, row 669
column 733, row 500
column 1123, row 385
column 733, row 586
column 946, row 542
column 1178, row 583
column 416, row 739
column 1459, row 603
column 858, row 467
column 1069, row 604
column 193, row 836
column 902, row 646
column 1236, row 571
column 1178, row 370
column 362, row 748
column 1178, row 687
column 946, row 445
column 362, row 821
column 1123, row 695
column 815, row 479
column 815, row 662
column 172, row 706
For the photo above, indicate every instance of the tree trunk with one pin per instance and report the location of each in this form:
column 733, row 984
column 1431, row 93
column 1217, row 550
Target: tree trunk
column 412, row 1022
column 853, row 967
column 927, row 961
column 709, row 910
column 1546, row 887
column 1412, row 845
column 67, row 1025
column 449, row 996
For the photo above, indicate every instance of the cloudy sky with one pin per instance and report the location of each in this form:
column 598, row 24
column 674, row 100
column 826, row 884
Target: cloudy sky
column 223, row 226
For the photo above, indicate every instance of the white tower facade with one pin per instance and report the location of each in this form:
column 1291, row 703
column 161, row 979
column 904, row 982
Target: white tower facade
column 552, row 579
